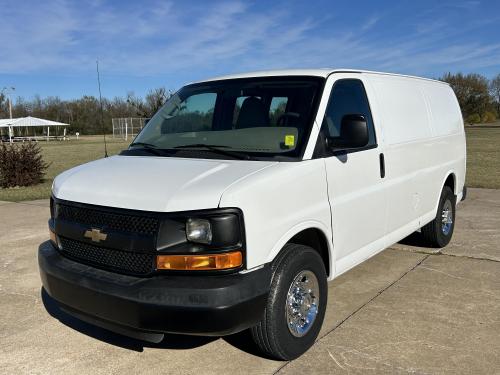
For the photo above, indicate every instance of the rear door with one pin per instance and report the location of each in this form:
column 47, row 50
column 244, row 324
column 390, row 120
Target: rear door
column 355, row 178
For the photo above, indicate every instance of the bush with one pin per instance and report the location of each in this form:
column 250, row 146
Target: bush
column 21, row 164
column 473, row 119
column 489, row 117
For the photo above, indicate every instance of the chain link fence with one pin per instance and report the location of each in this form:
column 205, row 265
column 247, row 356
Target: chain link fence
column 127, row 127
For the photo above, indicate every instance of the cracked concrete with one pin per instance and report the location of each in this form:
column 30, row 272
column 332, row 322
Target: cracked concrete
column 431, row 321
column 407, row 310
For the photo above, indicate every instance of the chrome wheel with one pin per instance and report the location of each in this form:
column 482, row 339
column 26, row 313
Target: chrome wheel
column 302, row 303
column 446, row 217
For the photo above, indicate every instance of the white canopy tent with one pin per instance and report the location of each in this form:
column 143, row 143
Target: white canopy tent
column 18, row 124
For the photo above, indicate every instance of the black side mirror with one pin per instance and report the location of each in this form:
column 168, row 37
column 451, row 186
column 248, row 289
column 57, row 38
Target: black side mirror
column 353, row 133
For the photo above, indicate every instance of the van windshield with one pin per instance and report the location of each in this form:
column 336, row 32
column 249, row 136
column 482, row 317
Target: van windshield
column 255, row 118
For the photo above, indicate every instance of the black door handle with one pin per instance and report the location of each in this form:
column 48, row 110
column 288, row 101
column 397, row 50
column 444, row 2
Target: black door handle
column 382, row 165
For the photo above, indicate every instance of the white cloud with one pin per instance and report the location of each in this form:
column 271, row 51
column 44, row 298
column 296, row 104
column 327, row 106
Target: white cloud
column 370, row 22
column 155, row 38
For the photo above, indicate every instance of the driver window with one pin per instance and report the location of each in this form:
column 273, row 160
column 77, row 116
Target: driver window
column 347, row 97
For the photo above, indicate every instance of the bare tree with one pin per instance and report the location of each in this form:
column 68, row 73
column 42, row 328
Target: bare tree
column 155, row 100
column 495, row 92
column 4, row 109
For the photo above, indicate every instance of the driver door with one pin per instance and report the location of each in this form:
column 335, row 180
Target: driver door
column 355, row 177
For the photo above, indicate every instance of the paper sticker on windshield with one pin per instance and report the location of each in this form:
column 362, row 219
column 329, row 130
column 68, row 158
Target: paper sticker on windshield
column 289, row 140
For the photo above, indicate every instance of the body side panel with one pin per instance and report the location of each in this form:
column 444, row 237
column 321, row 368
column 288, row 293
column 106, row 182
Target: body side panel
column 279, row 202
column 424, row 144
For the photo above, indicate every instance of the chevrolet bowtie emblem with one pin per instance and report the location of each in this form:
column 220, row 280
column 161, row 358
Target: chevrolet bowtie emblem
column 95, row 235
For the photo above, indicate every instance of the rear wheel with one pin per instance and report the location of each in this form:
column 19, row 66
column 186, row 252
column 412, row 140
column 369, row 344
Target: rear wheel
column 296, row 304
column 438, row 232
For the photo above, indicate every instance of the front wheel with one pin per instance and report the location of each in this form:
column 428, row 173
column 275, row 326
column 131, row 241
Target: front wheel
column 439, row 231
column 296, row 304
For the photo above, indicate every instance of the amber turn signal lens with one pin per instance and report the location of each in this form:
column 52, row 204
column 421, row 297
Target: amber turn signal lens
column 205, row 262
column 52, row 237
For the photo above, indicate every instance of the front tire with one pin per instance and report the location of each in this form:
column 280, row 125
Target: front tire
column 439, row 231
column 296, row 304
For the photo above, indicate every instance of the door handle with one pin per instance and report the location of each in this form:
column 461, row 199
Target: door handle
column 382, row 165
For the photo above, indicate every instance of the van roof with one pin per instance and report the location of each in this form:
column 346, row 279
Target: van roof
column 319, row 72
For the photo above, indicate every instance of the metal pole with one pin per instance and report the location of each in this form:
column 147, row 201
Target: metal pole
column 10, row 106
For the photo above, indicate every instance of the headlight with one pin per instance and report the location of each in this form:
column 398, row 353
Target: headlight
column 199, row 231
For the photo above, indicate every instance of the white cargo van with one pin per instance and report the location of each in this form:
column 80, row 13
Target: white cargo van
column 245, row 194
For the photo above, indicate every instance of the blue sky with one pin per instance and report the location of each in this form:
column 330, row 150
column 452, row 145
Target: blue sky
column 49, row 47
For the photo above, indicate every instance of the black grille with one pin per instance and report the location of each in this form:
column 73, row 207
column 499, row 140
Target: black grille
column 122, row 261
column 108, row 220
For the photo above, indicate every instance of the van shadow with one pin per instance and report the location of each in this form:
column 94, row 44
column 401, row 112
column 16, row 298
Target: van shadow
column 416, row 239
column 240, row 340
column 109, row 337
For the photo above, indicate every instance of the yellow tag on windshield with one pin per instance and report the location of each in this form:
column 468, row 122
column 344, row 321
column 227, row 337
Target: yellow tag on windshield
column 289, row 140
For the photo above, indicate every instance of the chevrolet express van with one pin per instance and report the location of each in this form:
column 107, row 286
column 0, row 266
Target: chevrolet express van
column 244, row 195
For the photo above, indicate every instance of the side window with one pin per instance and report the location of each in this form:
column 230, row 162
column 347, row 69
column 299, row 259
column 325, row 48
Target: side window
column 348, row 96
column 277, row 109
column 195, row 113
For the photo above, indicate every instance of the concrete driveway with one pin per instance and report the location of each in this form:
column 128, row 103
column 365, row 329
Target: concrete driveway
column 407, row 310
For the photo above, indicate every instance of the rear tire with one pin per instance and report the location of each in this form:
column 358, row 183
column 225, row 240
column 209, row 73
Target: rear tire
column 439, row 231
column 296, row 304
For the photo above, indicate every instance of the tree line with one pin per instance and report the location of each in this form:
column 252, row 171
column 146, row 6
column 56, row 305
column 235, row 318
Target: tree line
column 84, row 114
column 479, row 100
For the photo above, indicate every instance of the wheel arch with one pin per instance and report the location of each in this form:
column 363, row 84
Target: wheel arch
column 312, row 234
column 450, row 180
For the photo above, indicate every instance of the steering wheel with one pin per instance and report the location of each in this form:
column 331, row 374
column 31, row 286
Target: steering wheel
column 282, row 119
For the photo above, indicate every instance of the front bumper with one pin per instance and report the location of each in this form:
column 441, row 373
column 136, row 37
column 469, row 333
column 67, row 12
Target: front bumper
column 194, row 304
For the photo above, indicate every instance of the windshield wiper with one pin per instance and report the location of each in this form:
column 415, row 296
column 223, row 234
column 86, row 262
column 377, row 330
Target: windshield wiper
column 219, row 149
column 144, row 144
column 148, row 147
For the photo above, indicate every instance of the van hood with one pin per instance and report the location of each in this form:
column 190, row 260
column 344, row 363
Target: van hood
column 153, row 183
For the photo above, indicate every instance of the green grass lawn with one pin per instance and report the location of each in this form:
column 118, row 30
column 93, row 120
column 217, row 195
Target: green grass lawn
column 63, row 155
column 483, row 157
column 483, row 161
